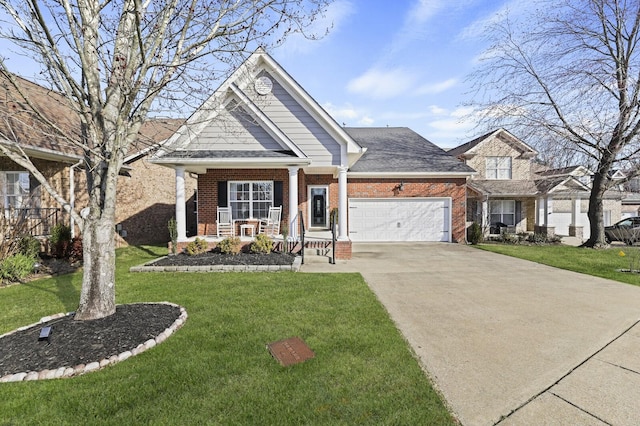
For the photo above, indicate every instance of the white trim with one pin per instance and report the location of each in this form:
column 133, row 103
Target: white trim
column 181, row 215
column 390, row 175
column 251, row 201
column 293, row 202
column 309, row 104
column 310, row 206
column 268, row 125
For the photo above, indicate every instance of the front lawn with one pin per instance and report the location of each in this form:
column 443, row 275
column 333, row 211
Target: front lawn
column 217, row 370
column 604, row 263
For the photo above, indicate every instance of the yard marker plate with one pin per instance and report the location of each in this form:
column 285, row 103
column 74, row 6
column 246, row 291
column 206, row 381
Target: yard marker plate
column 290, row 351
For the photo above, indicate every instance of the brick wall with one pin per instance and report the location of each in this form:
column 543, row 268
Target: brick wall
column 208, row 192
column 389, row 188
column 495, row 147
column 146, row 201
column 356, row 188
column 146, row 198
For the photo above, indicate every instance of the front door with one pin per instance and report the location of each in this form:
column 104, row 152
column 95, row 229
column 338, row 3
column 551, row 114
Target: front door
column 318, row 196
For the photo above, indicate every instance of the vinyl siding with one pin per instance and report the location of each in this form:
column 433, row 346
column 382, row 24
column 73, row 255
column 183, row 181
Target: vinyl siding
column 299, row 126
column 234, row 129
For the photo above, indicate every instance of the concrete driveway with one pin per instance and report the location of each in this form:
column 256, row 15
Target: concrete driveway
column 508, row 341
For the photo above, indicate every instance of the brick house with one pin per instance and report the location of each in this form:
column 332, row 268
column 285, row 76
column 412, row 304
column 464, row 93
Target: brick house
column 261, row 140
column 145, row 203
column 512, row 191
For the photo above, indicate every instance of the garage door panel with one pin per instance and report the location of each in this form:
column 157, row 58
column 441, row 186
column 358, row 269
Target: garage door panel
column 424, row 219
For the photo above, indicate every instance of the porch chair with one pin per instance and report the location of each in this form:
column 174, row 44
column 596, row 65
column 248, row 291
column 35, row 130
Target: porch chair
column 271, row 225
column 224, row 223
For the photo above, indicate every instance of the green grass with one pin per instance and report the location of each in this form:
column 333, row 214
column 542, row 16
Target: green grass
column 604, row 263
column 217, row 370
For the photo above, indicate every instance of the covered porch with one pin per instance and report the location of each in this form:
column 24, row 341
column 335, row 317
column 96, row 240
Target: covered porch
column 249, row 193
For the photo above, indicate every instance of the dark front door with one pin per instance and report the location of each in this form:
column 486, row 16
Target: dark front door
column 319, row 207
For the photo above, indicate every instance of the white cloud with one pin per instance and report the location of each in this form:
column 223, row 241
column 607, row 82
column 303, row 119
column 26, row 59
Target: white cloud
column 423, row 10
column 383, row 84
column 348, row 115
column 436, row 110
column 440, row 87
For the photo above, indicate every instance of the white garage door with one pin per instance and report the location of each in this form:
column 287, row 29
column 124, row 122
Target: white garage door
column 400, row 219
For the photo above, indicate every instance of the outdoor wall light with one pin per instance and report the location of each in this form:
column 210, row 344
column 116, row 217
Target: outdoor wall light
column 45, row 334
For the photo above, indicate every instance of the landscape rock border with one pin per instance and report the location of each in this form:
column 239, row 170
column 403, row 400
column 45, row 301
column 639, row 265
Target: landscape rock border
column 147, row 267
column 70, row 371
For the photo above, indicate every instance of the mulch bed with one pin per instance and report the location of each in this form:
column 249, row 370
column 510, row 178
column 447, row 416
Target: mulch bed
column 82, row 342
column 217, row 258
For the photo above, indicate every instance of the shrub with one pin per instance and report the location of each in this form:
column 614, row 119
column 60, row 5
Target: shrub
column 75, row 251
column 230, row 245
column 16, row 267
column 262, row 244
column 172, row 225
column 196, row 246
column 509, row 238
column 60, row 240
column 475, row 233
column 29, row 246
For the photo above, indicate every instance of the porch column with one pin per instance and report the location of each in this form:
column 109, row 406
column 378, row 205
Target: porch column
column 575, row 211
column 575, row 230
column 342, row 204
column 181, row 215
column 293, row 202
column 485, row 223
column 541, row 212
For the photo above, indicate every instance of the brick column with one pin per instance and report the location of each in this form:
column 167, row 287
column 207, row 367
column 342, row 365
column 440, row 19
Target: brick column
column 342, row 204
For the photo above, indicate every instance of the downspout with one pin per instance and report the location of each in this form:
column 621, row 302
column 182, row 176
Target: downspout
column 72, row 195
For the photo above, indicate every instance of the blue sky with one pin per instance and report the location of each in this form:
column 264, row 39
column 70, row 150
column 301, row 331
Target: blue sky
column 389, row 63
column 396, row 63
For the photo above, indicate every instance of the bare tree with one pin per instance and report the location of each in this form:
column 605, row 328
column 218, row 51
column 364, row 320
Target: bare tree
column 566, row 77
column 115, row 60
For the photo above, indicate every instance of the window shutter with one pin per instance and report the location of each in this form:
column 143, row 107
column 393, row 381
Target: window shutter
column 277, row 193
column 518, row 211
column 223, row 199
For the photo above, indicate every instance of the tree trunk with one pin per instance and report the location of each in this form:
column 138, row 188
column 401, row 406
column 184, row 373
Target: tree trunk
column 97, row 298
column 596, row 212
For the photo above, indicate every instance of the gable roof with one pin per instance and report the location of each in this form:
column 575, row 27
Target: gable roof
column 470, row 148
column 565, row 171
column 21, row 124
column 233, row 99
column 400, row 150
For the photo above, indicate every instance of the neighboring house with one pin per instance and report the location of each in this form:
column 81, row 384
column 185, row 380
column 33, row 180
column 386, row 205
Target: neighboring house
column 145, row 203
column 512, row 191
column 261, row 141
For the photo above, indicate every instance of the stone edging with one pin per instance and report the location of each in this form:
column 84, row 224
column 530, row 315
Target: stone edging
column 295, row 267
column 77, row 370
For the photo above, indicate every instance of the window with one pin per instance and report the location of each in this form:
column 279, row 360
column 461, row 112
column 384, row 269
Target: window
column 250, row 200
column 498, row 167
column 503, row 211
column 16, row 190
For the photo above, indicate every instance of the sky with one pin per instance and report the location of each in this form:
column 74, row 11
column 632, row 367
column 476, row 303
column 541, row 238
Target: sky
column 397, row 63
column 401, row 63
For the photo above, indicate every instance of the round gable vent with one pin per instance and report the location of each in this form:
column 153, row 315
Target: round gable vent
column 263, row 85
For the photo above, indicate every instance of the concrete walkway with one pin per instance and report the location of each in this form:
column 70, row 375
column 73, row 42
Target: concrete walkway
column 508, row 341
